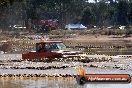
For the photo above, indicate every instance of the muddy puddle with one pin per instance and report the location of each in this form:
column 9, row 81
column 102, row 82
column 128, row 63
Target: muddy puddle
column 53, row 83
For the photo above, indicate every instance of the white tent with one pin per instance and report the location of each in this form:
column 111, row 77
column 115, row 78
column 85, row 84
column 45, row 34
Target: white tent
column 75, row 26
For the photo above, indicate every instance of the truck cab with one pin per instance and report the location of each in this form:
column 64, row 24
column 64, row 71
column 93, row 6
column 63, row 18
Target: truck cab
column 46, row 49
column 50, row 46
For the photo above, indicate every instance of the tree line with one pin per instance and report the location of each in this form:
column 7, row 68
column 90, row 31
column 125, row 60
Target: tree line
column 100, row 13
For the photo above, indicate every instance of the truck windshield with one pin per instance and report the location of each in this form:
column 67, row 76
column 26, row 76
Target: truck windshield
column 55, row 46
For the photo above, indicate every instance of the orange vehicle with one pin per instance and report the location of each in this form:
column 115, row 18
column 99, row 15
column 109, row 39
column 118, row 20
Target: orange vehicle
column 46, row 49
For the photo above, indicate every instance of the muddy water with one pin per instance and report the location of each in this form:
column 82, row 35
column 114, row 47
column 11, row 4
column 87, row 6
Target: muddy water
column 39, row 83
column 52, row 83
column 65, row 82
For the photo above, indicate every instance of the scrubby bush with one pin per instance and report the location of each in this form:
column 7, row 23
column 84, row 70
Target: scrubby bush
column 6, row 47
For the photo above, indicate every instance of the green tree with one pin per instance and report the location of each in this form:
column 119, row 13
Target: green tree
column 130, row 13
column 102, row 12
column 111, row 14
column 88, row 17
column 122, row 12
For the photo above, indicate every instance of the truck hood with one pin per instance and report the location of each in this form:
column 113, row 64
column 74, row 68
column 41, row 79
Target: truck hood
column 67, row 52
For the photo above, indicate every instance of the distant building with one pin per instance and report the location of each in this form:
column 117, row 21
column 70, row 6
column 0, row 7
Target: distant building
column 75, row 26
column 47, row 25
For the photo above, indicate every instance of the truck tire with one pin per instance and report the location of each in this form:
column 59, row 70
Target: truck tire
column 81, row 80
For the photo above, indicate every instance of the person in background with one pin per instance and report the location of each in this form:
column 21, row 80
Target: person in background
column 42, row 48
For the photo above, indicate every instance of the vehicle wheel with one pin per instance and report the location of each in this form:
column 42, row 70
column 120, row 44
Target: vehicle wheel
column 47, row 60
column 34, row 60
column 81, row 80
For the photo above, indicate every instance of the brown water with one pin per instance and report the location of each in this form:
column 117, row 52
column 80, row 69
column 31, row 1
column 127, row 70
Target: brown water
column 39, row 83
column 52, row 83
column 67, row 82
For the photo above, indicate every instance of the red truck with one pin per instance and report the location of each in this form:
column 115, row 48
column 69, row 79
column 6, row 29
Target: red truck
column 49, row 50
column 46, row 49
